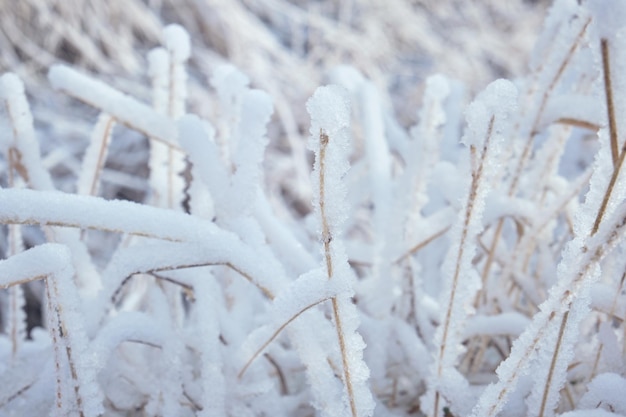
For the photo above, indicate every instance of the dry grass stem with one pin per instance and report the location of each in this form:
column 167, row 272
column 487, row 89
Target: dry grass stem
column 477, row 177
column 422, row 244
column 109, row 123
column 610, row 106
column 241, row 272
column 327, row 239
column 557, row 349
column 607, row 195
column 275, row 335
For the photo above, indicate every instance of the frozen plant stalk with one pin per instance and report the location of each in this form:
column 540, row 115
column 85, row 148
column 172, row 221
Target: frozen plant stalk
column 488, row 122
column 330, row 120
column 167, row 70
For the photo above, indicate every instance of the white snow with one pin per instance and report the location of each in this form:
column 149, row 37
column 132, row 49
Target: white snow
column 177, row 42
column 124, row 108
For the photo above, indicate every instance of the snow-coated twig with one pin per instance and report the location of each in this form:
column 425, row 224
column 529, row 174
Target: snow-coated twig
column 488, row 122
column 52, row 262
column 608, row 93
column 95, row 157
column 49, row 209
column 330, row 119
column 125, row 109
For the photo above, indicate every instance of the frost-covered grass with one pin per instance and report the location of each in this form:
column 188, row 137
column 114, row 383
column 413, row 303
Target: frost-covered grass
column 472, row 265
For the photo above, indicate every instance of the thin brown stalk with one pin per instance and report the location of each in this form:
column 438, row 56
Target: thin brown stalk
column 618, row 157
column 610, row 107
column 326, row 239
column 14, row 155
column 110, row 123
column 275, row 335
column 436, row 410
column 268, row 293
column 555, row 355
column 609, row 191
column 16, row 394
column 326, row 236
column 281, row 376
column 476, row 178
column 58, row 310
column 54, row 333
column 492, row 250
column 143, row 342
column 475, row 360
column 344, row 356
column 186, row 288
column 421, row 244
column 585, row 124
column 25, row 280
column 569, row 396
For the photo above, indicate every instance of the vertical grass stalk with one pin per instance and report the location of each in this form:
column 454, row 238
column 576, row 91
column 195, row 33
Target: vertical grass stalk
column 326, row 240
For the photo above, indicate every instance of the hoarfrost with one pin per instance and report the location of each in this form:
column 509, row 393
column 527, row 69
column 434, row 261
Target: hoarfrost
column 177, row 41
column 604, row 393
column 330, row 119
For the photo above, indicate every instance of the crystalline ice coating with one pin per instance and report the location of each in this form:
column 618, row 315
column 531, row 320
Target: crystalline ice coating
column 197, row 138
column 607, row 390
column 364, row 282
column 498, row 100
column 609, row 16
column 501, row 324
column 438, row 87
column 90, row 212
column 330, row 121
column 11, row 86
column 488, row 119
column 159, row 71
column 23, row 134
column 545, row 393
column 177, row 41
column 230, row 84
column 54, row 261
column 330, row 140
column 157, row 61
column 329, row 109
column 305, row 291
column 346, row 76
column 125, row 109
column 255, row 112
